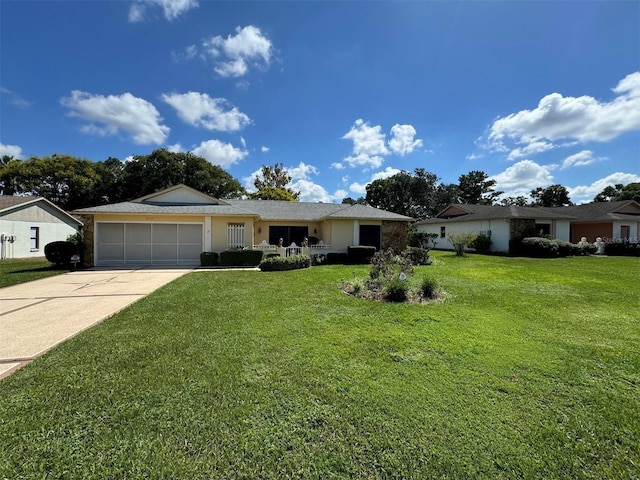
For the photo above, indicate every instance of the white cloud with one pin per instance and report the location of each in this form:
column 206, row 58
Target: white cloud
column 536, row 146
column 386, row 173
column 302, row 171
column 522, row 177
column 234, row 55
column 368, row 145
column 301, row 182
column 264, row 149
column 583, row 193
column 171, row 9
column 579, row 159
column 243, row 142
column 199, row 109
column 175, row 148
column 473, row 156
column 12, row 150
column 219, row 153
column 113, row 113
column 403, row 139
column 15, row 99
column 361, row 188
column 581, row 119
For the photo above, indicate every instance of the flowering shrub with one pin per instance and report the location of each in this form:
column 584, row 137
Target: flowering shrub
column 391, row 279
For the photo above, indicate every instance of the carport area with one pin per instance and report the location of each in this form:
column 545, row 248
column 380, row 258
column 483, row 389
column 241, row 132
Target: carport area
column 36, row 316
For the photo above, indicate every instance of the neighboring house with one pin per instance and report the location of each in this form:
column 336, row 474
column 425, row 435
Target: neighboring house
column 173, row 226
column 27, row 224
column 608, row 220
column 611, row 221
column 498, row 222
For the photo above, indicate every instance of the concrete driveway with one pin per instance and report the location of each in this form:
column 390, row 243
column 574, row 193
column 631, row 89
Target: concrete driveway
column 38, row 315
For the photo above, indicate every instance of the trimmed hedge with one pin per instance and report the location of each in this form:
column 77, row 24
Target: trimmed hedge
column 240, row 258
column 280, row 264
column 626, row 249
column 59, row 253
column 360, row 254
column 541, row 247
column 208, row 259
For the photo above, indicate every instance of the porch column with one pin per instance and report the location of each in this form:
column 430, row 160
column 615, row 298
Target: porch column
column 356, row 232
column 207, row 234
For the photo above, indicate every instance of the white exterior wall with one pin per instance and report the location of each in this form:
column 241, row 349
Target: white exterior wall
column 499, row 232
column 21, row 248
column 634, row 230
column 563, row 230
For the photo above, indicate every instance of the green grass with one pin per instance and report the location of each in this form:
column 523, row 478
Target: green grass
column 20, row 270
column 529, row 369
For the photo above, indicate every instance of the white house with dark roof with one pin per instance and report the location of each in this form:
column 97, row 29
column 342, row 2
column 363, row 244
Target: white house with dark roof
column 608, row 220
column 27, row 224
column 173, row 226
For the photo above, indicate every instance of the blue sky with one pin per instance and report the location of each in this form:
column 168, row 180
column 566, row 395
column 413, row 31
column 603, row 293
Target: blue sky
column 341, row 93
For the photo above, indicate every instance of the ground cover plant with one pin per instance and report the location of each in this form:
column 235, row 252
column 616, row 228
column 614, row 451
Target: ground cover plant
column 20, row 270
column 529, row 369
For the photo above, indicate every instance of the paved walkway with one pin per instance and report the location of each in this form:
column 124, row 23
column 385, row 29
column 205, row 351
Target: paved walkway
column 38, row 315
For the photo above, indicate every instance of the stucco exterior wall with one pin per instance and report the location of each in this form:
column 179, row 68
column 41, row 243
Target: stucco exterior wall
column 51, row 228
column 563, row 230
column 499, row 232
column 341, row 235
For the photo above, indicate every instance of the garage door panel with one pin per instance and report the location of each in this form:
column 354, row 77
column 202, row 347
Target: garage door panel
column 148, row 244
column 111, row 233
column 189, row 252
column 111, row 253
column 190, row 234
column 165, row 233
column 138, row 253
column 138, row 233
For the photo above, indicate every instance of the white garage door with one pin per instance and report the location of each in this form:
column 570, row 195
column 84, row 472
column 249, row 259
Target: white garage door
column 148, row 243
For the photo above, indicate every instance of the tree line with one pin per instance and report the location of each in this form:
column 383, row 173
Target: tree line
column 72, row 183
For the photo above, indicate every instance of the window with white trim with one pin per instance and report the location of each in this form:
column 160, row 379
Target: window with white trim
column 235, row 235
column 34, row 238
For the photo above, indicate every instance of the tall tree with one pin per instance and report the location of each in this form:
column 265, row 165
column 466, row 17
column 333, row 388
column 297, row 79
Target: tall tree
column 476, row 188
column 552, row 196
column 9, row 168
column 414, row 195
column 352, row 201
column 518, row 201
column 145, row 174
column 619, row 192
column 272, row 184
column 62, row 179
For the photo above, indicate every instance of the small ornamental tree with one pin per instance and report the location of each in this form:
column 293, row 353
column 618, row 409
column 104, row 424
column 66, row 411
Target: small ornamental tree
column 460, row 241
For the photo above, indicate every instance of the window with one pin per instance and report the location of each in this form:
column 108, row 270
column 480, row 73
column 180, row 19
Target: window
column 34, row 238
column 543, row 229
column 442, row 232
column 235, row 235
column 370, row 235
column 288, row 234
column 625, row 232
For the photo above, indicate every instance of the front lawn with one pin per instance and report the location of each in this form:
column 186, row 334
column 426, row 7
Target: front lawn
column 529, row 369
column 20, row 270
